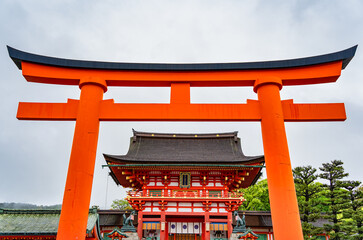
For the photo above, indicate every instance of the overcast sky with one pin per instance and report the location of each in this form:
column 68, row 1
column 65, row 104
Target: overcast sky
column 34, row 155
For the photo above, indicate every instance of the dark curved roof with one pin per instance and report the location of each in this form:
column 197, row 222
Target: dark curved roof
column 185, row 148
column 18, row 56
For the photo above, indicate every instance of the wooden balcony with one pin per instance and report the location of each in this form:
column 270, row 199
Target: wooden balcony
column 185, row 195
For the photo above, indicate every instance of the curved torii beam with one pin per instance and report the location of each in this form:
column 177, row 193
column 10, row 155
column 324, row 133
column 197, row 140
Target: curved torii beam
column 266, row 78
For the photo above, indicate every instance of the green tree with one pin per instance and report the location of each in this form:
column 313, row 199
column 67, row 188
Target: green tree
column 120, row 204
column 334, row 172
column 353, row 215
column 256, row 197
column 307, row 191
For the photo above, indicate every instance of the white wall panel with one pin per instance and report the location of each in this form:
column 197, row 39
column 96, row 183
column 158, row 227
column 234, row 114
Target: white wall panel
column 171, row 209
column 159, row 184
column 196, row 184
column 185, row 204
column 198, row 210
column 185, row 210
column 156, row 209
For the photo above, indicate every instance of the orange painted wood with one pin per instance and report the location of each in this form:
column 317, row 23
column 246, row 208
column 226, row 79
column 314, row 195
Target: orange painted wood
column 314, row 74
column 110, row 111
column 179, row 112
column 313, row 112
column 77, row 193
column 180, row 93
column 48, row 111
column 283, row 201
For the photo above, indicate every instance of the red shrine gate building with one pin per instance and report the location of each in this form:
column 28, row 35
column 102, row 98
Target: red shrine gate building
column 185, row 186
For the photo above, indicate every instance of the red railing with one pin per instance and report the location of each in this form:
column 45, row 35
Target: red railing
column 184, row 194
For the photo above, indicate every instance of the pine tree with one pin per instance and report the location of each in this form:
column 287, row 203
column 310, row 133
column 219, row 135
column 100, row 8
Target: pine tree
column 307, row 191
column 256, row 197
column 354, row 213
column 336, row 196
column 120, row 204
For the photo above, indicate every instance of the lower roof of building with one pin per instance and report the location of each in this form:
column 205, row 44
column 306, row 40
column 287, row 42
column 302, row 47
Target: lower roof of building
column 36, row 222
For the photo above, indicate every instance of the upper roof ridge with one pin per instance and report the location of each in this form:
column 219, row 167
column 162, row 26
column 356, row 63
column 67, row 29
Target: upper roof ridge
column 184, row 135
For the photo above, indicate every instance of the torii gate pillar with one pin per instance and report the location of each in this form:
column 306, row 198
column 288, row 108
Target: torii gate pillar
column 76, row 198
column 277, row 159
column 267, row 78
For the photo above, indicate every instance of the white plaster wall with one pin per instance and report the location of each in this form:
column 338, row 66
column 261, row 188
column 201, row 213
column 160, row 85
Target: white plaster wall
column 151, row 183
column 185, row 204
column 185, row 210
column 174, row 184
column 170, row 209
column 196, row 184
column 198, row 210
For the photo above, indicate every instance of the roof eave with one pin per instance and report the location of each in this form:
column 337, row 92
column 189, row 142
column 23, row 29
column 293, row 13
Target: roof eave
column 124, row 159
column 345, row 56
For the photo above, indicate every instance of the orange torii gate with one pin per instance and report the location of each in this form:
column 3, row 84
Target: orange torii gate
column 266, row 78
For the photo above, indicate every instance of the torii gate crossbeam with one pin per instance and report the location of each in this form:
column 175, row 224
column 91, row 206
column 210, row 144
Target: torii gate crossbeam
column 266, row 78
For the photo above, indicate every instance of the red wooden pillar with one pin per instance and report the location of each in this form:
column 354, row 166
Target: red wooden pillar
column 206, row 230
column 229, row 224
column 139, row 224
column 77, row 194
column 162, row 221
column 284, row 207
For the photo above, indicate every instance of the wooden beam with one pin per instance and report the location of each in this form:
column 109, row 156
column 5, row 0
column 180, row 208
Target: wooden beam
column 110, row 111
column 314, row 74
column 48, row 111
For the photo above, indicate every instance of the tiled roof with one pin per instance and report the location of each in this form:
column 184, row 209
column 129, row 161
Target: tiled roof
column 113, row 217
column 35, row 222
column 221, row 148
